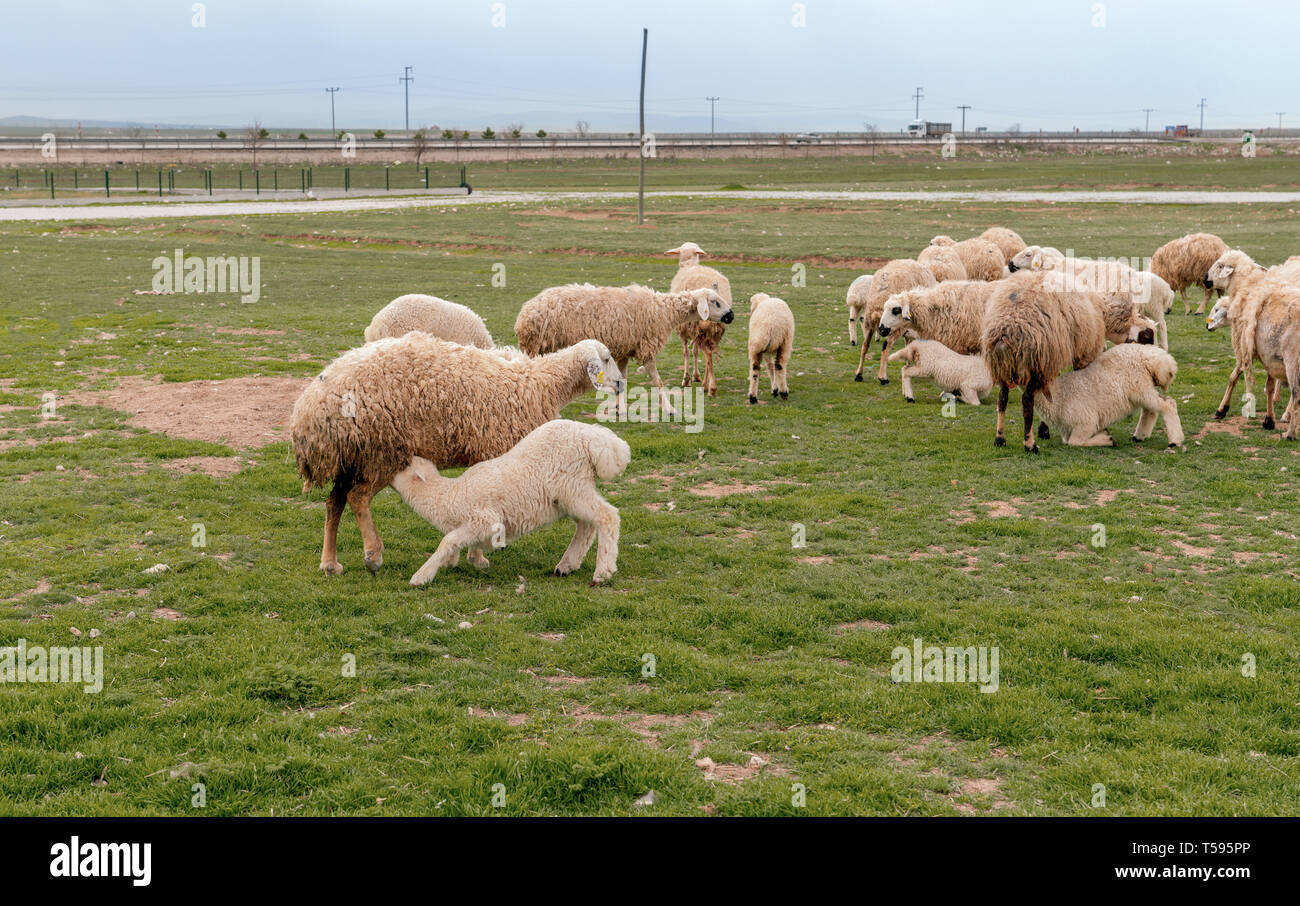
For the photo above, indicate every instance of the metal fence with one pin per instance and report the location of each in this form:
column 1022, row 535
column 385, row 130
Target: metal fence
column 198, row 181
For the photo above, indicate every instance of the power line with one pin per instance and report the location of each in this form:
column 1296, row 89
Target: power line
column 712, row 101
column 918, row 97
column 963, row 108
column 1202, row 106
column 408, row 79
column 1147, row 111
column 332, row 91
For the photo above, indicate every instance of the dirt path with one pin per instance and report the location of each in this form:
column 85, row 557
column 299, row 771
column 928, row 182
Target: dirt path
column 129, row 211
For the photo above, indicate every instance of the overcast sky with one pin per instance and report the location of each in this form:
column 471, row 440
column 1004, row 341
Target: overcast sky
column 1054, row 64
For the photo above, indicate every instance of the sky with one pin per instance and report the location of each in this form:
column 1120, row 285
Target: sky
column 774, row 65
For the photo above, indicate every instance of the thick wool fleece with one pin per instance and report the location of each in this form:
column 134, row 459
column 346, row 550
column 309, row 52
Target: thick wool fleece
column 1088, row 401
column 448, row 321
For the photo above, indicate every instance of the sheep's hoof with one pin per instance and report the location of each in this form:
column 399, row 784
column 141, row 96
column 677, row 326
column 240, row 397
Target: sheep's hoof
column 561, row 572
column 1043, row 432
column 332, row 569
column 775, row 394
column 909, row 399
column 1267, row 424
column 999, row 441
column 1220, row 413
column 858, row 377
column 1033, row 449
column 373, row 563
column 1138, row 440
column 752, row 399
column 785, row 394
column 1173, row 446
column 853, row 342
column 883, row 381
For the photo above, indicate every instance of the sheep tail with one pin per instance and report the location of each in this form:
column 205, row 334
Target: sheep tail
column 608, row 452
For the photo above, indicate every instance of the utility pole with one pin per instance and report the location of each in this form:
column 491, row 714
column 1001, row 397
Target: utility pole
column 640, row 195
column 408, row 79
column 331, row 91
column 963, row 108
column 1280, row 114
column 1202, row 106
column 711, row 101
column 1147, row 111
column 918, row 97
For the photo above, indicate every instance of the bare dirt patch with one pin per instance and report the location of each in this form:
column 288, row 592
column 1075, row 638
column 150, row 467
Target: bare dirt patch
column 1106, row 496
column 1231, row 426
column 1001, row 509
column 214, row 466
column 41, row 588
column 239, row 412
column 511, row 720
column 738, row 773
column 713, row 489
column 815, row 561
column 872, row 625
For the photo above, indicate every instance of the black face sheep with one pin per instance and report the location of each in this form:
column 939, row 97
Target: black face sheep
column 634, row 322
column 445, row 320
column 699, row 336
column 550, row 474
column 1031, row 335
column 1186, row 262
column 895, row 277
column 374, row 408
column 771, row 336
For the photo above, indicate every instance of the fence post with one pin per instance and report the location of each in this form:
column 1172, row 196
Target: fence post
column 75, row 183
column 426, row 177
column 275, row 178
column 257, row 182
column 303, row 176
column 51, row 184
column 160, row 183
column 107, row 193
column 347, row 178
column 137, row 180
column 385, row 179
column 241, row 180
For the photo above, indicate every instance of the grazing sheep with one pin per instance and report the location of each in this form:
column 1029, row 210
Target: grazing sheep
column 549, row 475
column 445, row 320
column 857, row 299
column 1008, row 241
column 1123, row 321
column 942, row 261
column 634, row 322
column 373, row 408
column 1031, row 335
column 896, row 276
column 1037, row 258
column 951, row 313
column 698, row 336
column 965, row 376
column 1186, row 262
column 771, row 334
column 1084, row 403
column 981, row 258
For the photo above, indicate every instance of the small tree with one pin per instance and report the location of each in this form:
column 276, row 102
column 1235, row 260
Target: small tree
column 255, row 136
column 448, row 135
column 541, row 133
column 514, row 130
column 379, row 133
column 582, row 127
column 488, row 133
column 420, row 146
column 221, row 133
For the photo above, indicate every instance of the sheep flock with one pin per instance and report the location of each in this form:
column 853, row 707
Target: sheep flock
column 1083, row 340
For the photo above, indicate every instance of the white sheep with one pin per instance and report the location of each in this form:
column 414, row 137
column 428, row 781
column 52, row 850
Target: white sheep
column 771, row 336
column 1084, row 403
column 445, row 320
column 698, row 336
column 964, row 376
column 550, row 474
column 857, row 295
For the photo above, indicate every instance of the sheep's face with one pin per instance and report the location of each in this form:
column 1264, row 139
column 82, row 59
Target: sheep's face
column 414, row 476
column 1218, row 315
column 602, row 369
column 1027, row 259
column 1220, row 275
column 710, row 306
column 943, row 240
column 897, row 314
column 688, row 253
column 1142, row 330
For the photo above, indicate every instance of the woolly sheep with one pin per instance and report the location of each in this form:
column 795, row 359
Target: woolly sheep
column 1084, row 403
column 942, row 261
column 1007, row 241
column 1031, row 335
column 965, row 376
column 698, row 336
column 982, row 259
column 1186, row 262
column 859, row 289
column 634, row 322
column 549, row 475
column 1123, row 321
column 771, row 334
column 896, row 276
column 445, row 320
column 1036, row 257
column 951, row 313
column 372, row 409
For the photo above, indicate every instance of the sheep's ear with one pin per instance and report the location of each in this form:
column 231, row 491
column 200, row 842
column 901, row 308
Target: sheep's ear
column 1036, row 262
column 907, row 311
column 595, row 372
column 702, row 308
column 676, row 251
column 1225, row 271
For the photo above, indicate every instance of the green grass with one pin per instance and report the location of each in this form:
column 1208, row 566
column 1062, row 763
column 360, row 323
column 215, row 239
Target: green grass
column 1119, row 665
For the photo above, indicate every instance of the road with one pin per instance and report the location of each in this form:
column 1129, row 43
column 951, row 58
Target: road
column 188, row 209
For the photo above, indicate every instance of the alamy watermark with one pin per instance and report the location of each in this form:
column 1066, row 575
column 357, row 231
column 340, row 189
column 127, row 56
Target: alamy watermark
column 644, row 404
column 931, row 664
column 212, row 274
column 23, row 663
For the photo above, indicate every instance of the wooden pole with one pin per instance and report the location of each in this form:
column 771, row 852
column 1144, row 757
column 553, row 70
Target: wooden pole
column 640, row 195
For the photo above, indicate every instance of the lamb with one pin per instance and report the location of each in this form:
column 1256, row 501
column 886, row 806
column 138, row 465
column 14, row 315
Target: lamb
column 445, row 320
column 896, row 276
column 698, row 336
column 1086, row 402
column 1186, row 262
column 548, row 475
column 942, row 261
column 373, row 408
column 1037, row 257
column 771, row 334
column 859, row 289
column 1007, row 241
column 965, row 376
column 632, row 321
column 951, row 313
column 1032, row 334
column 981, row 258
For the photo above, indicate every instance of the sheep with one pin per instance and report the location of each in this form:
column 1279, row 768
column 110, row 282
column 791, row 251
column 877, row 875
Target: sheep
column 981, row 258
column 548, row 475
column 632, row 321
column 859, row 289
column 1007, row 241
column 964, row 376
column 896, row 276
column 1123, row 322
column 771, row 334
column 1032, row 334
column 942, row 261
column 446, row 320
column 1084, row 403
column 373, row 408
column 951, row 313
column 698, row 336
column 1186, row 262
column 1037, row 257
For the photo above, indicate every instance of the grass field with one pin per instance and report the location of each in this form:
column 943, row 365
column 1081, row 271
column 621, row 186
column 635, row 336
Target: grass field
column 1119, row 665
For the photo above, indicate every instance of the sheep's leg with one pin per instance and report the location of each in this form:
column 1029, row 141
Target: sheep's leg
column 1206, row 301
column 1146, row 422
column 710, row 382
column 446, row 555
column 1162, row 329
column 1292, row 414
column 695, row 360
column 583, row 536
column 1227, row 395
column 1100, row 439
column 886, row 345
column 1271, row 387
column 1027, row 409
column 334, row 504
column 853, row 327
column 1173, row 424
column 783, row 370
column 862, row 356
column 771, row 373
column 686, row 363
column 359, row 499
column 607, row 524
column 477, row 559
column 1000, row 439
column 652, row 370
column 622, row 397
column 908, row 371
column 754, row 364
column 1187, row 306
